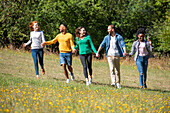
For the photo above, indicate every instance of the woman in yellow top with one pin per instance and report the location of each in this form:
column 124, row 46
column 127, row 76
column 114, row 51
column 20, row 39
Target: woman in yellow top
column 66, row 46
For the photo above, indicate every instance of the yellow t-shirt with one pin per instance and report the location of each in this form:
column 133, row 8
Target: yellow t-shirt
column 66, row 44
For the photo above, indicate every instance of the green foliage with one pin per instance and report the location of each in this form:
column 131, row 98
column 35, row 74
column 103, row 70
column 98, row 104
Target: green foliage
column 94, row 15
column 161, row 30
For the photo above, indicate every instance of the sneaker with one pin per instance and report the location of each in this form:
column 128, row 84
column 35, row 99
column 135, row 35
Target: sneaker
column 72, row 77
column 144, row 85
column 113, row 84
column 118, row 85
column 90, row 80
column 37, row 77
column 43, row 71
column 68, row 80
column 87, row 83
column 141, row 87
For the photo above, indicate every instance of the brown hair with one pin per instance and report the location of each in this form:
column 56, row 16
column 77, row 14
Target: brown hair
column 32, row 24
column 77, row 31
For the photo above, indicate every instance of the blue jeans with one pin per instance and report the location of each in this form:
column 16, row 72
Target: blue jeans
column 37, row 54
column 86, row 60
column 66, row 58
column 142, row 64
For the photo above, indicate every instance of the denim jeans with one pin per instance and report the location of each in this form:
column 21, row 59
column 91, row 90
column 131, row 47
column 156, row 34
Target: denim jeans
column 37, row 54
column 86, row 60
column 142, row 64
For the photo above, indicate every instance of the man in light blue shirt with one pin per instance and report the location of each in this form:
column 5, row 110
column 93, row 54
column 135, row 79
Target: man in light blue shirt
column 115, row 48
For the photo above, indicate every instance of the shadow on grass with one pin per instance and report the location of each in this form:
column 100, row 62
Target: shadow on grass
column 123, row 86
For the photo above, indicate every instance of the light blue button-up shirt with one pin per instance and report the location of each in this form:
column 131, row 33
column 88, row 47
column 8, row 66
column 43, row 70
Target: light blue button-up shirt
column 119, row 43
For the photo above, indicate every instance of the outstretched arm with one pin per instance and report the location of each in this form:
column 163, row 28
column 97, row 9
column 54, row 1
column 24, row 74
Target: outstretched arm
column 71, row 42
column 50, row 42
column 99, row 49
column 29, row 42
column 132, row 49
column 92, row 46
column 43, row 39
column 124, row 49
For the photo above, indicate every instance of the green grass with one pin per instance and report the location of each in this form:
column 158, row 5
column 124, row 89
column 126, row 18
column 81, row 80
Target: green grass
column 21, row 92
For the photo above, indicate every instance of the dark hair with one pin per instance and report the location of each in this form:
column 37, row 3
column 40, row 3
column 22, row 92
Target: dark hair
column 140, row 31
column 64, row 24
column 77, row 31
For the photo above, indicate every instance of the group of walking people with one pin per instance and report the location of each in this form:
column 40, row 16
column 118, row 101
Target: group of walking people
column 115, row 48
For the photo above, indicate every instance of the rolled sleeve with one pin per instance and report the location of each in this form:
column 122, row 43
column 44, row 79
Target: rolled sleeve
column 122, row 42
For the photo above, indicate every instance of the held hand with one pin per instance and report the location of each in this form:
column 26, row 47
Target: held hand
column 24, row 45
column 125, row 54
column 74, row 50
column 42, row 44
column 97, row 55
column 150, row 43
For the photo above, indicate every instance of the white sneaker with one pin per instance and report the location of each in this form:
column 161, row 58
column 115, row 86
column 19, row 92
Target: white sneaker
column 87, row 83
column 118, row 85
column 90, row 80
column 113, row 84
column 37, row 77
column 72, row 76
column 68, row 80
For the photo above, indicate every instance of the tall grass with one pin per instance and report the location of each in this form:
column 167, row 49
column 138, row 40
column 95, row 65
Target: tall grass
column 21, row 92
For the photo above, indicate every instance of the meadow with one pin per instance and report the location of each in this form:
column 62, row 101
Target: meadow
column 20, row 91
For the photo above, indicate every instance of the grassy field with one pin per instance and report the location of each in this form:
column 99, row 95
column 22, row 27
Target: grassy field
column 21, row 92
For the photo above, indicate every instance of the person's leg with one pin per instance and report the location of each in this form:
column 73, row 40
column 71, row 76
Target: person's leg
column 145, row 66
column 34, row 56
column 63, row 63
column 41, row 54
column 83, row 61
column 65, row 71
column 69, row 64
column 70, row 69
column 89, row 63
column 139, row 65
column 112, row 72
column 117, row 68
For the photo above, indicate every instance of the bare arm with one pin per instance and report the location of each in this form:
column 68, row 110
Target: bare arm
column 99, row 49
column 124, row 49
